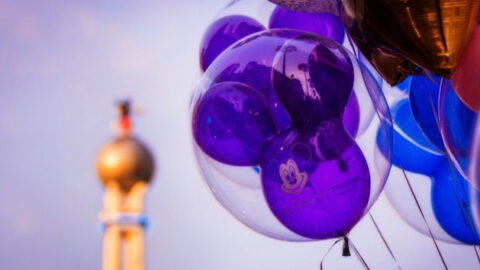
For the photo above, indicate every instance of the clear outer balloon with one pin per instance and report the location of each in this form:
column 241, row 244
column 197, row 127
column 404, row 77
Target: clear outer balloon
column 264, row 11
column 466, row 79
column 319, row 150
column 445, row 200
column 474, row 175
column 456, row 126
column 223, row 33
column 424, row 103
column 324, row 23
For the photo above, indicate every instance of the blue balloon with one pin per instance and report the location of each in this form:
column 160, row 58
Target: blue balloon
column 451, row 204
column 405, row 84
column 424, row 102
column 449, row 194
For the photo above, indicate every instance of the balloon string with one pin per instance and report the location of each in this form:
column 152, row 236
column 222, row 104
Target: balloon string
column 429, row 76
column 424, row 219
column 328, row 251
column 384, row 240
column 465, row 212
column 460, row 202
column 359, row 256
column 353, row 47
column 347, row 245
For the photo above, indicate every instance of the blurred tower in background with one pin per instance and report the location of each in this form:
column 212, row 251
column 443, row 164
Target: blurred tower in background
column 125, row 166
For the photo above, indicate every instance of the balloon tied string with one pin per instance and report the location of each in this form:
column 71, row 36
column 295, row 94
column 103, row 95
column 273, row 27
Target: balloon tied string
column 424, row 219
column 461, row 203
column 348, row 246
column 124, row 123
column 384, row 240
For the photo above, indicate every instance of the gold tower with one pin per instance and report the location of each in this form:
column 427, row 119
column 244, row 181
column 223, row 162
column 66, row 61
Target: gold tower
column 125, row 166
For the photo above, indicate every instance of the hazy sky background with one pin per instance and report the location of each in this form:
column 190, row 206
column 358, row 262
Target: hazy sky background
column 63, row 65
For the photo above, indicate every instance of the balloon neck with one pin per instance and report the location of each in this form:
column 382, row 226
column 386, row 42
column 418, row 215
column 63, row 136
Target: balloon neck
column 346, row 247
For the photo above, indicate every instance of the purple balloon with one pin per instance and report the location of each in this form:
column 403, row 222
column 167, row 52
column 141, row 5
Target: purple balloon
column 313, row 81
column 232, row 124
column 223, row 33
column 315, row 178
column 250, row 62
column 325, row 24
column 316, row 190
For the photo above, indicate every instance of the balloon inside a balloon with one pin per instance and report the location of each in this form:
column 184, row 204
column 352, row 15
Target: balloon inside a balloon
column 423, row 98
column 239, row 82
column 312, row 169
column 457, row 122
column 223, row 33
column 450, row 199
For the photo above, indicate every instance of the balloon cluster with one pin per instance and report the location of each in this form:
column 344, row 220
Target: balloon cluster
column 401, row 38
column 414, row 141
column 284, row 114
column 282, row 110
column 435, row 122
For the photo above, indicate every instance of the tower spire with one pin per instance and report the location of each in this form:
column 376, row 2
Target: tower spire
column 125, row 166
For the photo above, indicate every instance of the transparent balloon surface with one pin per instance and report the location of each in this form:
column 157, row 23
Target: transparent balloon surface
column 457, row 122
column 242, row 17
column 260, row 140
column 440, row 189
column 474, row 174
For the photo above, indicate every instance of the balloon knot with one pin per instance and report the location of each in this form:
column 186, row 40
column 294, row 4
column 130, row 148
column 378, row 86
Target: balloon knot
column 346, row 247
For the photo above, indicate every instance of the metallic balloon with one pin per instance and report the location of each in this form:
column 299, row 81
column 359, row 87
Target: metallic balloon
column 125, row 161
column 310, row 6
column 431, row 34
column 393, row 69
column 466, row 79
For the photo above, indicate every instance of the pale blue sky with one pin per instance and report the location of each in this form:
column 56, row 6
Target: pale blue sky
column 63, row 64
